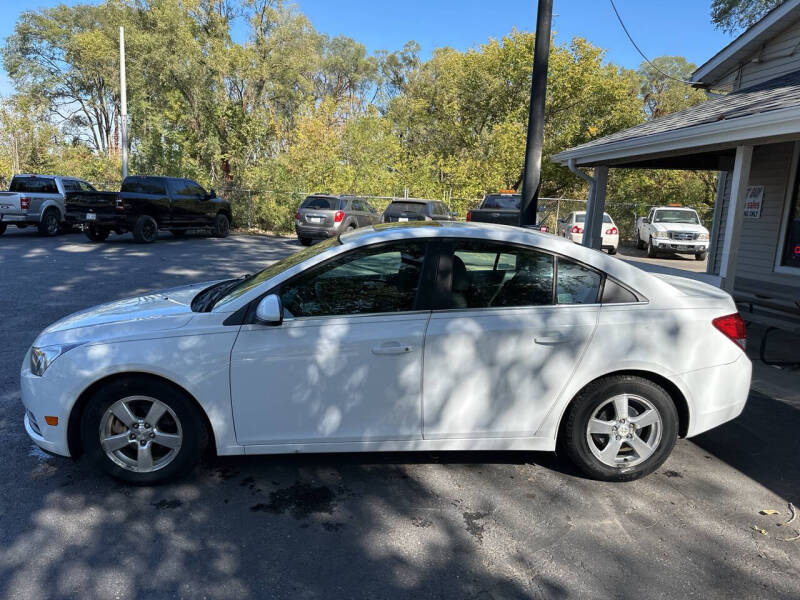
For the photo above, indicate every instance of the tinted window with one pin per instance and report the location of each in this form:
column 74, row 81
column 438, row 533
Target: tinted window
column 370, row 280
column 507, row 202
column 70, row 185
column 320, row 203
column 614, row 293
column 186, row 188
column 576, row 284
column 85, row 187
column 34, row 185
column 490, row 274
column 144, row 185
column 398, row 208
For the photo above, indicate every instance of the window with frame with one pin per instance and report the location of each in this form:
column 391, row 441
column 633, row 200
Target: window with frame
column 791, row 245
column 381, row 279
column 576, row 283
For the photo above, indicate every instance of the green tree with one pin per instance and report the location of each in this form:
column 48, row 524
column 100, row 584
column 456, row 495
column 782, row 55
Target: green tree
column 733, row 16
column 662, row 88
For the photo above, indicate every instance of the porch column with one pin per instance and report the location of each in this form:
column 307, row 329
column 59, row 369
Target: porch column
column 593, row 227
column 716, row 223
column 733, row 222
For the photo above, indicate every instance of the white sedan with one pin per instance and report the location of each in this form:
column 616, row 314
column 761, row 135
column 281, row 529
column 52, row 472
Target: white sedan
column 571, row 227
column 430, row 336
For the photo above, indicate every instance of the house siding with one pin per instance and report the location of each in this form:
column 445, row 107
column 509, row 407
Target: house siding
column 758, row 244
column 781, row 55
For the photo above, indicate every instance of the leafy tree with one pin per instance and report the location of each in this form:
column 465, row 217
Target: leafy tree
column 663, row 90
column 735, row 15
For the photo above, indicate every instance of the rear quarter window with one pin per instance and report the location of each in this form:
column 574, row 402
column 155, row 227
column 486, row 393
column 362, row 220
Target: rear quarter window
column 614, row 293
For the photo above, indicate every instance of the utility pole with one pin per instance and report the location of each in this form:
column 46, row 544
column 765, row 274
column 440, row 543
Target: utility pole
column 123, row 97
column 532, row 176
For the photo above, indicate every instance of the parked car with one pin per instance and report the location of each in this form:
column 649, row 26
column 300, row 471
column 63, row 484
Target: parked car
column 674, row 230
column 146, row 204
column 401, row 210
column 571, row 227
column 502, row 208
column 437, row 336
column 38, row 200
column 321, row 216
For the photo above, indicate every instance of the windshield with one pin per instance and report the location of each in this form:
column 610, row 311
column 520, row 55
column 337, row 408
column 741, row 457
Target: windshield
column 502, row 202
column 581, row 217
column 275, row 269
column 676, row 216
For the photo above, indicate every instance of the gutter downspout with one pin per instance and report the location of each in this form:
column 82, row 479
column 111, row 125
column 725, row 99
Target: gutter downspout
column 590, row 180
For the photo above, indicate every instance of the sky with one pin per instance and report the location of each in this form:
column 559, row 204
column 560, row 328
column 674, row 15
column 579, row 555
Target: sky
column 676, row 27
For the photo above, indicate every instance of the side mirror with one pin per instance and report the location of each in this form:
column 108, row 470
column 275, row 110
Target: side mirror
column 645, row 221
column 270, row 310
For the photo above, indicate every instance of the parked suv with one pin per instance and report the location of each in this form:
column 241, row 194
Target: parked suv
column 405, row 209
column 38, row 200
column 322, row 216
column 146, row 204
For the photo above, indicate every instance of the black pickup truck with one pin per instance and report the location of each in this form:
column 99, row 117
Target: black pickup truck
column 146, row 204
column 500, row 208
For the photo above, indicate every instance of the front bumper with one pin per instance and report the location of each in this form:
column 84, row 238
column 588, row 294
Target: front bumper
column 680, row 247
column 40, row 399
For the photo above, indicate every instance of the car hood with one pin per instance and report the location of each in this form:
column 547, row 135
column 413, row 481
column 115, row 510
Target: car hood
column 156, row 311
column 679, row 227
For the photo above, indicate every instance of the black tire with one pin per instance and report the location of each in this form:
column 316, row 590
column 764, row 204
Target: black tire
column 222, row 226
column 306, row 241
column 574, row 433
column 50, row 224
column 146, row 230
column 178, row 233
column 3, row 227
column 701, row 255
column 651, row 250
column 612, row 251
column 639, row 242
column 96, row 233
column 192, row 426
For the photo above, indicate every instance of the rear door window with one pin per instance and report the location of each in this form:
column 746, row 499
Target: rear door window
column 34, row 185
column 144, row 185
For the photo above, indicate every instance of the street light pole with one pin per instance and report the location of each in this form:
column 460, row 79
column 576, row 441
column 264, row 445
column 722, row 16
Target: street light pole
column 532, row 176
column 123, row 103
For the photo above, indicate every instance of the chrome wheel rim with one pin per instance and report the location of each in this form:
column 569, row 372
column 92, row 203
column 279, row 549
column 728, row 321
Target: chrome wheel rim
column 624, row 431
column 52, row 224
column 140, row 434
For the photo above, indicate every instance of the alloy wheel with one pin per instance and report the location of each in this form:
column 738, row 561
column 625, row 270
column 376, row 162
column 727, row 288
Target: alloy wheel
column 140, row 434
column 624, row 431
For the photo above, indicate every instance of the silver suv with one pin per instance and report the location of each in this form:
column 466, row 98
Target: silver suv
column 321, row 216
column 38, row 200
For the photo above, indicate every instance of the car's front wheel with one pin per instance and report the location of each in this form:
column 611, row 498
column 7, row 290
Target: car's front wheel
column 700, row 255
column 620, row 428
column 142, row 431
column 651, row 250
column 222, row 226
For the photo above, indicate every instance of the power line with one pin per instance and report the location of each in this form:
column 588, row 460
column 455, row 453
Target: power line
column 639, row 50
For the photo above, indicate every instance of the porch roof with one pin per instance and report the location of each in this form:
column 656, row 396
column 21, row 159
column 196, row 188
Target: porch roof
column 697, row 137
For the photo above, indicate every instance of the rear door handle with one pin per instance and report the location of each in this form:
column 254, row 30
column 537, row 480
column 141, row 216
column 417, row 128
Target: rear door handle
column 390, row 348
column 551, row 339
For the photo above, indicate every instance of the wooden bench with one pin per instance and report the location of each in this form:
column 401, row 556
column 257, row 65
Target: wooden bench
column 774, row 306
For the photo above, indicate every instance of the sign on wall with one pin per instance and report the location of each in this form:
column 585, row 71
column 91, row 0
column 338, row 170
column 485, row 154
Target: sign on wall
column 753, row 201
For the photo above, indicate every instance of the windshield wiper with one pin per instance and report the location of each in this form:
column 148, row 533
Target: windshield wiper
column 205, row 300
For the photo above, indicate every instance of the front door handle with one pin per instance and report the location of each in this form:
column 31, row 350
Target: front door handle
column 391, row 348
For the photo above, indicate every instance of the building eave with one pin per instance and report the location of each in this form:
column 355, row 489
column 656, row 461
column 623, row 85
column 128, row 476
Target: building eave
column 774, row 125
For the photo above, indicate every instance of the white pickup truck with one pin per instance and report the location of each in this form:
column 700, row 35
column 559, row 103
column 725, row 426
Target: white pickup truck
column 674, row 230
column 38, row 200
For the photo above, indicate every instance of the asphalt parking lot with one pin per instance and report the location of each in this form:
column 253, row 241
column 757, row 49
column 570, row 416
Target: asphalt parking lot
column 401, row 525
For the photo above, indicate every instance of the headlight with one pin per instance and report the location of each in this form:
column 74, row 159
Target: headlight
column 703, row 236
column 41, row 358
column 660, row 234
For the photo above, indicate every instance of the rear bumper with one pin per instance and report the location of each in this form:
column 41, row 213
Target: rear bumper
column 107, row 219
column 314, row 232
column 17, row 217
column 717, row 394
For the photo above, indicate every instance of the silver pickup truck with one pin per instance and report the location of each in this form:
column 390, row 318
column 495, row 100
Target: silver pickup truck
column 38, row 200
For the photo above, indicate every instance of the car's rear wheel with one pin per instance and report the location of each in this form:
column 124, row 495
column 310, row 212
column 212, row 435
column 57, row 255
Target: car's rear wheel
column 97, row 233
column 145, row 231
column 620, row 428
column 701, row 255
column 222, row 226
column 612, row 250
column 50, row 225
column 143, row 432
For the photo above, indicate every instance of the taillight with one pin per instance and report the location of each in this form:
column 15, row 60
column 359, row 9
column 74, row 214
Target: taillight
column 543, row 229
column 612, row 231
column 733, row 327
column 297, row 215
column 118, row 204
column 576, row 229
column 338, row 216
column 24, row 202
column 469, row 215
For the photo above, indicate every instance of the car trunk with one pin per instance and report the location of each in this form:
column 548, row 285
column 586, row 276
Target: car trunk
column 319, row 213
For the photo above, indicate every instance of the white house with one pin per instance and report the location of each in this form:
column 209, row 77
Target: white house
column 749, row 131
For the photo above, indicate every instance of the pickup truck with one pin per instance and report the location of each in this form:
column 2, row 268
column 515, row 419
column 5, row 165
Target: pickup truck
column 38, row 200
column 674, row 230
column 500, row 208
column 146, row 204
